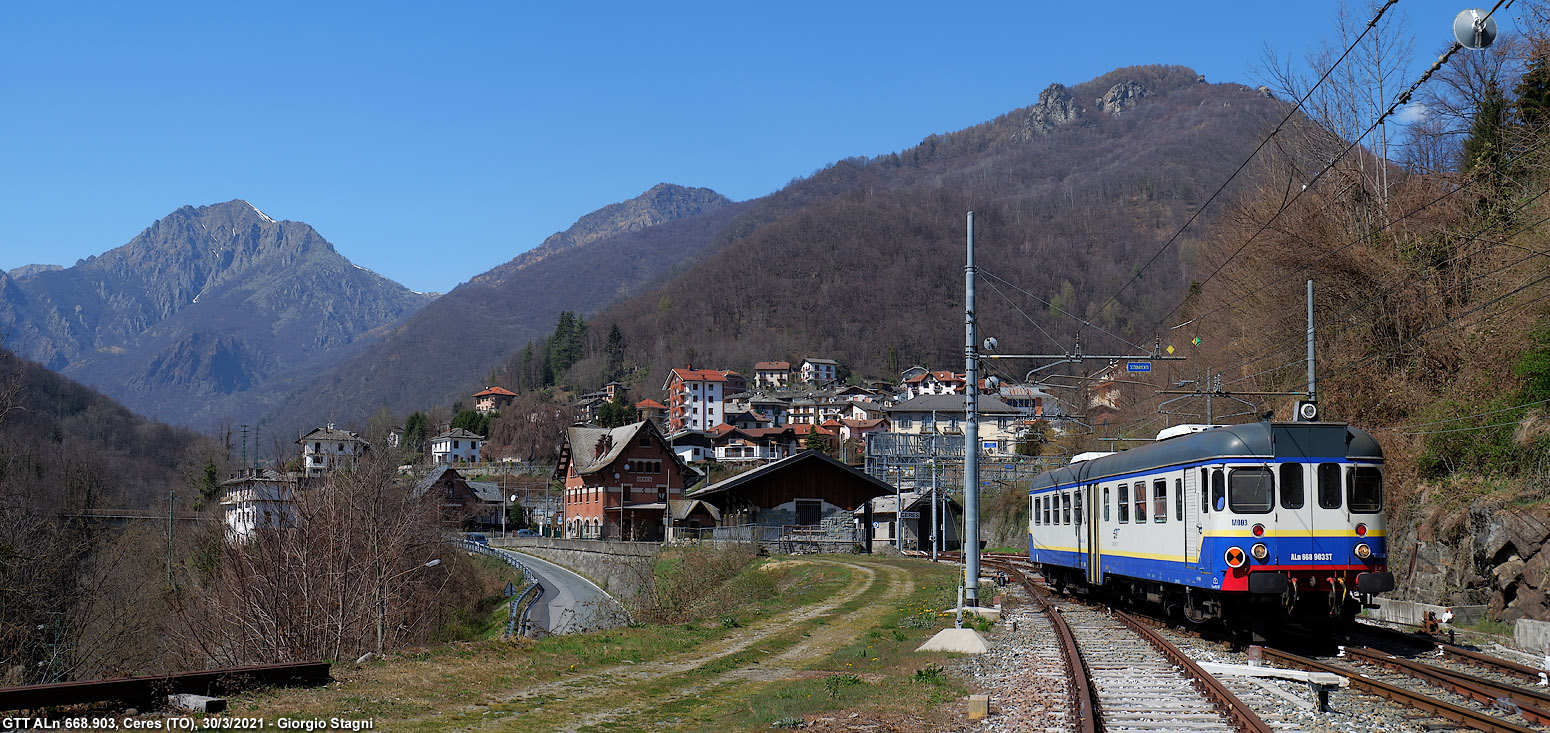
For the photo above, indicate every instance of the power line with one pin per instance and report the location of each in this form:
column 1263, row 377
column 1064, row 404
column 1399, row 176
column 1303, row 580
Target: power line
column 1399, row 101
column 1463, row 417
column 1404, row 279
column 1062, row 311
column 1289, row 114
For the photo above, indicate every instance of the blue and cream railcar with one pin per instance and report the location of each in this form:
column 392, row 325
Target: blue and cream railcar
column 1214, row 523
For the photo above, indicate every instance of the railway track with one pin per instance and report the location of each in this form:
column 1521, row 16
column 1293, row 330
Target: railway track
column 1125, row 676
column 1407, row 695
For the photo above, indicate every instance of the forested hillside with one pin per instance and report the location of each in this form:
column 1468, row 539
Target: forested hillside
column 863, row 261
column 433, row 357
column 72, row 588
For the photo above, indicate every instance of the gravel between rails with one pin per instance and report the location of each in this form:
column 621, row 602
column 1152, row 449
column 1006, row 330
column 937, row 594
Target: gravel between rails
column 1027, row 683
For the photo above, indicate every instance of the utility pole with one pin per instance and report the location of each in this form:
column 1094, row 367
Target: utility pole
column 971, row 430
column 172, row 499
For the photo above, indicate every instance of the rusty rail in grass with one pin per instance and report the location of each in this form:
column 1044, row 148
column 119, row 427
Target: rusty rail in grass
column 213, row 682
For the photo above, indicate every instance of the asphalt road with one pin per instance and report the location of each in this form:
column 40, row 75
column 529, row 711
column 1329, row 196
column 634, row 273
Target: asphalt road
column 569, row 603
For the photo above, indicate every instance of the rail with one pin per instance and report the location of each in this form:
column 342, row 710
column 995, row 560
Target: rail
column 1462, row 715
column 1530, row 704
column 519, row 612
column 1242, row 716
column 1088, row 719
column 211, row 682
column 1084, row 694
column 1502, row 666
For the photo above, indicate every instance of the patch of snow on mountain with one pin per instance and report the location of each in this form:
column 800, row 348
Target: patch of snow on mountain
column 261, row 214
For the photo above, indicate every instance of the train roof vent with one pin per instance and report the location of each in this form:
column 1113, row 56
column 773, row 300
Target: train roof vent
column 1177, row 430
column 1089, row 455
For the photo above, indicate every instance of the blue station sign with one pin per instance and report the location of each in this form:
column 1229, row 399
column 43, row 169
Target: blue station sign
column 1138, row 366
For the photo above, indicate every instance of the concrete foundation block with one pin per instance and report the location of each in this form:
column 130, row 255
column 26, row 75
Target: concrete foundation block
column 993, row 614
column 197, row 703
column 1412, row 613
column 979, row 707
column 960, row 641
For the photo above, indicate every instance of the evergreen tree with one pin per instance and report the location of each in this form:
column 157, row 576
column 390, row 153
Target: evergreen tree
column 415, row 432
column 816, row 441
column 526, row 372
column 615, row 413
column 473, row 421
column 615, row 349
column 1485, row 149
column 1534, row 89
column 568, row 344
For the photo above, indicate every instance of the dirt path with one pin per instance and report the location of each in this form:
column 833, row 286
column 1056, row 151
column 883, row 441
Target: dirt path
column 612, row 697
column 835, row 633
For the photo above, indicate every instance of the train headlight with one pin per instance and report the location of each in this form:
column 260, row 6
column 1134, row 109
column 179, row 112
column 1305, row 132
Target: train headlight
column 1361, row 530
column 1363, row 551
column 1260, row 551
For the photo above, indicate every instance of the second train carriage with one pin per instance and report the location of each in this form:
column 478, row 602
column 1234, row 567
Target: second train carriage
column 1254, row 522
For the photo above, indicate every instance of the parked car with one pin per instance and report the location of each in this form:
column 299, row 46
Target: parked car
column 526, row 533
column 479, row 538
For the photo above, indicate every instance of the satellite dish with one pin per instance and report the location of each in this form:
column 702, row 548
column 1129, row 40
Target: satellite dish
column 1473, row 28
column 991, row 383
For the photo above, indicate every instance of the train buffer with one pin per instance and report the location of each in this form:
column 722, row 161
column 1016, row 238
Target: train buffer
column 1321, row 683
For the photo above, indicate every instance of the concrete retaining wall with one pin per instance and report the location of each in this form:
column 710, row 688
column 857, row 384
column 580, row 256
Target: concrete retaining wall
column 1533, row 636
column 1410, row 612
column 617, row 567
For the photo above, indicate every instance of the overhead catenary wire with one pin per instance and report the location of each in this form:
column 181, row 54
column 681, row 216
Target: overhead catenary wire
column 1289, row 115
column 1060, row 310
column 1400, row 100
column 1460, row 418
column 1406, row 279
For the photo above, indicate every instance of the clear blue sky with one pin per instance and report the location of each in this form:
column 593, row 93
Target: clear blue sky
column 432, row 141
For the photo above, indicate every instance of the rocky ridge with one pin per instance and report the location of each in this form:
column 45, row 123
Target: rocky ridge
column 192, row 319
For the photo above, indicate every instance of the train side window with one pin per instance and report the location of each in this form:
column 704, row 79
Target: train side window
column 1178, row 499
column 1077, row 508
column 1218, row 490
column 1033, row 508
column 1105, row 503
column 1329, row 485
column 1045, row 504
column 1291, row 486
column 1160, row 500
column 1205, row 504
column 1251, row 491
column 1365, row 485
column 1065, row 508
column 1140, row 502
column 1124, row 503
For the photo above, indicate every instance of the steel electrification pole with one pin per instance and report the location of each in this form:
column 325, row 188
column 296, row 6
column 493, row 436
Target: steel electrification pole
column 1312, row 394
column 971, row 432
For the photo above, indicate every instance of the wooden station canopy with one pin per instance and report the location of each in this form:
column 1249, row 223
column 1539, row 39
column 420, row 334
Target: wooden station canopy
column 806, row 475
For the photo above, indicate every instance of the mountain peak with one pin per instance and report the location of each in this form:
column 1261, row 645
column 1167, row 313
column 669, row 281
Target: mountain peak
column 659, row 204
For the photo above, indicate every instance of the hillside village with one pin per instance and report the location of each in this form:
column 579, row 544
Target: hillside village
column 647, row 469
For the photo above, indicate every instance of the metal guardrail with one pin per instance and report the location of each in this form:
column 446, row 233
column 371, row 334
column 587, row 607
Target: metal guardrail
column 519, row 612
